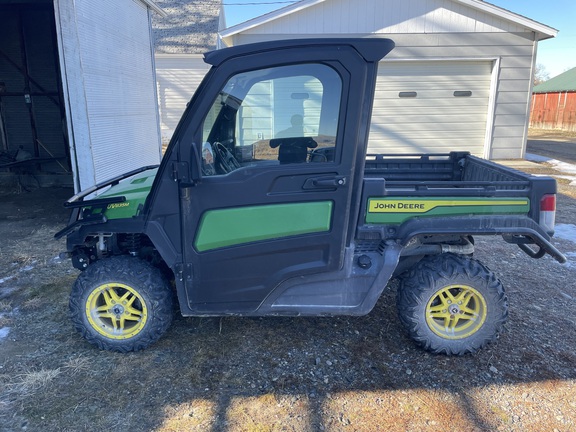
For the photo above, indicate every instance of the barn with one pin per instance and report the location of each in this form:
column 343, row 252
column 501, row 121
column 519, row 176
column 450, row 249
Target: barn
column 554, row 103
column 77, row 88
column 458, row 79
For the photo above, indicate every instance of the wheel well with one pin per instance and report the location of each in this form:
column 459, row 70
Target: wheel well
column 422, row 246
column 104, row 245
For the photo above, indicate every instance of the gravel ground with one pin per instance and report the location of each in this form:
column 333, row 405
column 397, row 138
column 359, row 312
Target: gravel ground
column 281, row 374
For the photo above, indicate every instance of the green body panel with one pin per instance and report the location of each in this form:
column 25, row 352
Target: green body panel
column 235, row 226
column 387, row 210
column 135, row 189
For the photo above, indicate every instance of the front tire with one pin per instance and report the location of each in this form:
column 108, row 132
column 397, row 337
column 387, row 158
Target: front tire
column 452, row 304
column 121, row 304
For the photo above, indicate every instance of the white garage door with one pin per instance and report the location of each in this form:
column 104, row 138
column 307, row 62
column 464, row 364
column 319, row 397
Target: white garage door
column 431, row 107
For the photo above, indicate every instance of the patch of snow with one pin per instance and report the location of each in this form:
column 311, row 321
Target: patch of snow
column 571, row 259
column 6, row 279
column 566, row 232
column 571, row 178
column 4, row 331
column 536, row 158
column 565, row 167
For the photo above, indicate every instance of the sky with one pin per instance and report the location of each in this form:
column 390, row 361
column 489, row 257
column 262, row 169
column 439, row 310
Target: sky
column 556, row 55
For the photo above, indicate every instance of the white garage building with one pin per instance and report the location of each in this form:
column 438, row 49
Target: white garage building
column 460, row 77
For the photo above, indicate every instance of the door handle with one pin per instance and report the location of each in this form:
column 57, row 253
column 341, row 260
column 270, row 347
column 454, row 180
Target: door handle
column 328, row 182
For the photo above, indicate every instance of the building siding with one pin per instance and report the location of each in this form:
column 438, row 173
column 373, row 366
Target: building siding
column 178, row 77
column 377, row 16
column 108, row 64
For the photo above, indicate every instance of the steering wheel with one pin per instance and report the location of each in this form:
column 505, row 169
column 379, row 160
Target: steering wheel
column 224, row 158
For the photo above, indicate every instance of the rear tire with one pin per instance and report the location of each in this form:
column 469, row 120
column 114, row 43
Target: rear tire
column 121, row 304
column 452, row 304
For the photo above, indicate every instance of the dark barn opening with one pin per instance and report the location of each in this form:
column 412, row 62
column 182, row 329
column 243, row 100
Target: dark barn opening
column 34, row 148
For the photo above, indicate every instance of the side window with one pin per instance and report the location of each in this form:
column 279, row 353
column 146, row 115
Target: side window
column 274, row 116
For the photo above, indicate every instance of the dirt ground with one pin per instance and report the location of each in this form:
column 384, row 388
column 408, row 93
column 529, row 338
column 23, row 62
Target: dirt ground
column 280, row 374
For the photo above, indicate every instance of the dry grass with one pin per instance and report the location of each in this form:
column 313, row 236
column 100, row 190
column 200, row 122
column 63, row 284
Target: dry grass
column 27, row 384
column 551, row 134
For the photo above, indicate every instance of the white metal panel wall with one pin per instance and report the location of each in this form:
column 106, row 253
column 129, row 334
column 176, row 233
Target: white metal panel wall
column 379, row 16
column 108, row 70
column 178, row 76
column 431, row 107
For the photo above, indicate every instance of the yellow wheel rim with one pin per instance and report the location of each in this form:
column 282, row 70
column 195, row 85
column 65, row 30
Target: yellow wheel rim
column 116, row 311
column 456, row 312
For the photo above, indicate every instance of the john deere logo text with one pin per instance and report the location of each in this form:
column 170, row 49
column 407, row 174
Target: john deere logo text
column 383, row 205
column 418, row 206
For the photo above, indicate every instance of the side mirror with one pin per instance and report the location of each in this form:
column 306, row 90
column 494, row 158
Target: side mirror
column 196, row 163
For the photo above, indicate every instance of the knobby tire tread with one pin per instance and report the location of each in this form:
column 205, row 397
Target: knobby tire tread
column 426, row 278
column 134, row 272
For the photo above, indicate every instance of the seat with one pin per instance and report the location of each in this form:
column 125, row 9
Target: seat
column 293, row 149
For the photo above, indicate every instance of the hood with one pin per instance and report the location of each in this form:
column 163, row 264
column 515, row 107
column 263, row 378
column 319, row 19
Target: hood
column 135, row 189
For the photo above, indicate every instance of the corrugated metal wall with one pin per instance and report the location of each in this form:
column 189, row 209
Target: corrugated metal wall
column 110, row 83
column 554, row 111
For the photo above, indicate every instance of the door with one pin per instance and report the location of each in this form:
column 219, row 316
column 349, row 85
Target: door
column 431, row 107
column 279, row 144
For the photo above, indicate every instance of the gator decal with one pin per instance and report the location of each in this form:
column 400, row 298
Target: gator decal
column 117, row 205
column 236, row 226
column 398, row 210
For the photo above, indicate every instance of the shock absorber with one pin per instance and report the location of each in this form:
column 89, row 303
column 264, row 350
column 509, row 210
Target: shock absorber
column 133, row 243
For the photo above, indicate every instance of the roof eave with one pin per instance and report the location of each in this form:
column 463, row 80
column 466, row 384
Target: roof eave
column 263, row 19
column 544, row 31
column 155, row 8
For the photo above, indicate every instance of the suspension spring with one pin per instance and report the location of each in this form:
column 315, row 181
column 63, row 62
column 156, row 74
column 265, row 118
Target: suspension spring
column 133, row 243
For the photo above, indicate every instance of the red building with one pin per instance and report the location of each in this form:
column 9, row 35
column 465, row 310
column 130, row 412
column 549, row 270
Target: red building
column 554, row 103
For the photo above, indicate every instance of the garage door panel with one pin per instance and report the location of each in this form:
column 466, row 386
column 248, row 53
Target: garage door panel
column 422, row 145
column 432, row 107
column 434, row 122
column 445, row 96
column 423, row 110
column 434, row 68
column 444, row 80
column 431, row 133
